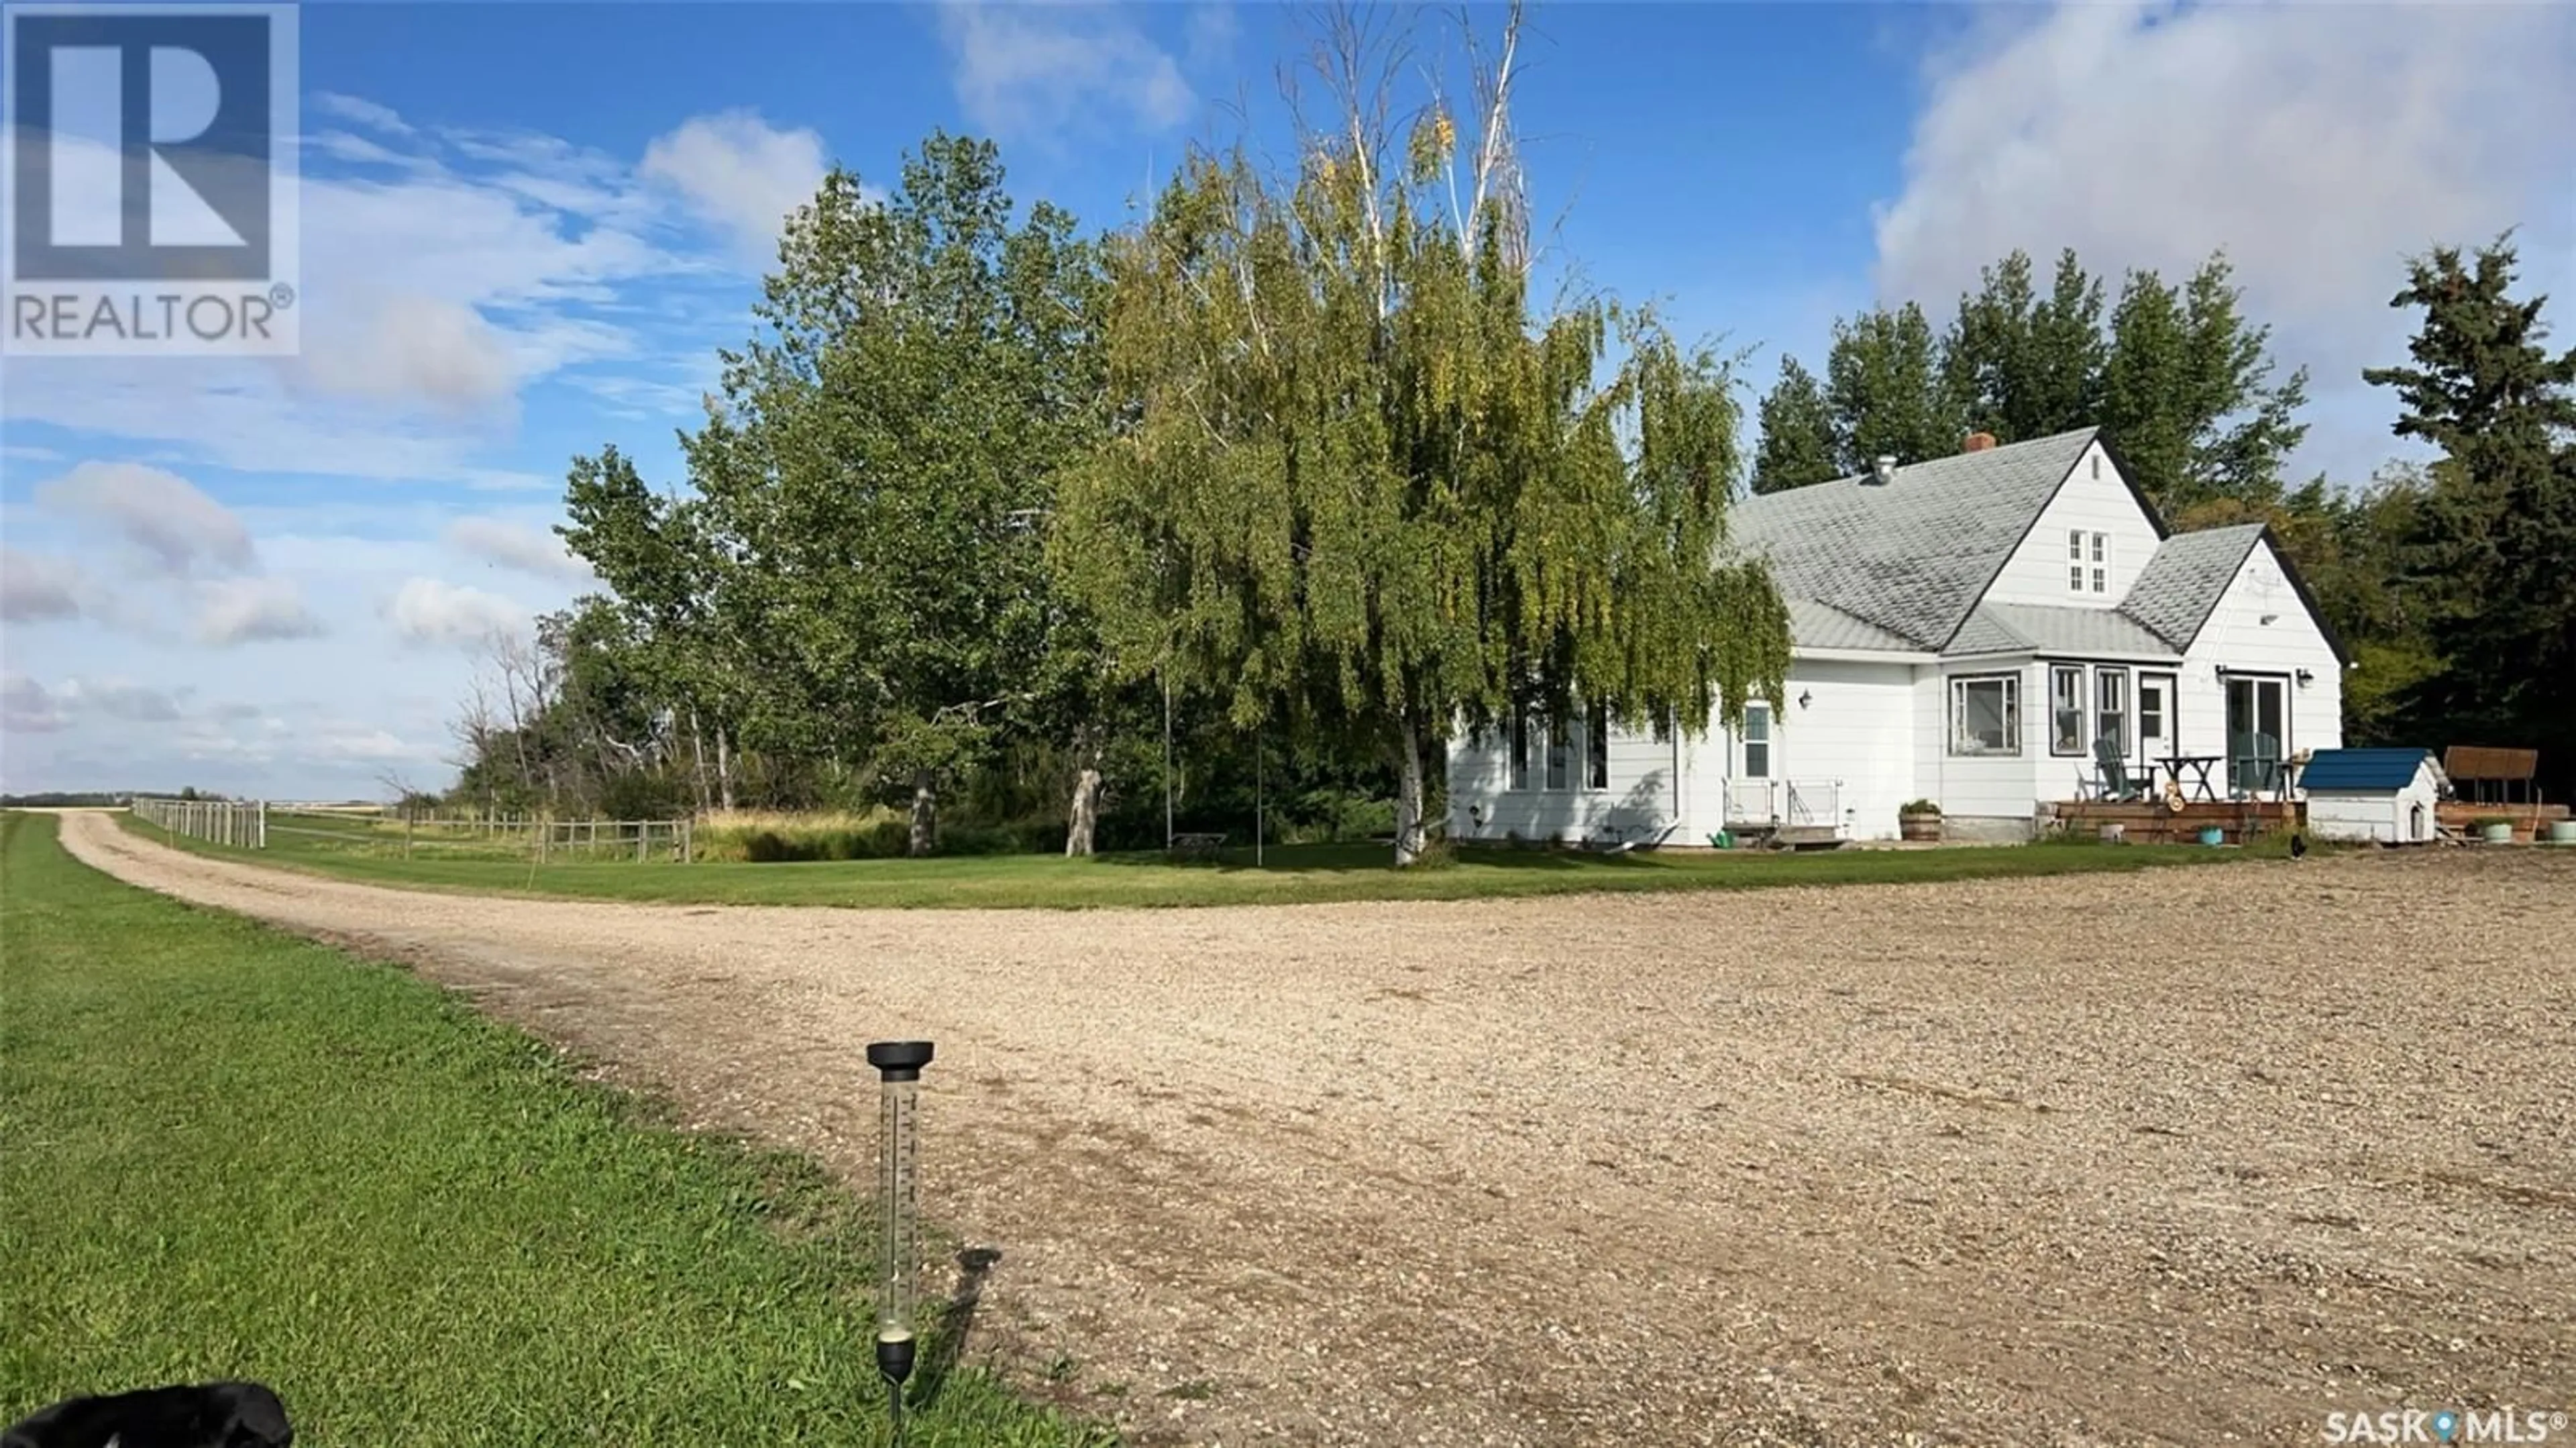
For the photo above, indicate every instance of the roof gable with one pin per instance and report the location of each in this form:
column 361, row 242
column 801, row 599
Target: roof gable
column 1913, row 556
column 2181, row 585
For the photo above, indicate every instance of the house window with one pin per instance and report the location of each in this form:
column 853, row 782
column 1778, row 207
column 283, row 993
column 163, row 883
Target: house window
column 1757, row 741
column 1985, row 715
column 2075, row 578
column 2111, row 711
column 1520, row 751
column 2066, row 709
column 2101, row 581
column 1596, row 748
column 2101, row 555
column 2151, row 711
column 1560, row 757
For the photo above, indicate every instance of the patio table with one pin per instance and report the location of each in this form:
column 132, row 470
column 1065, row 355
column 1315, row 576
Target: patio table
column 2199, row 767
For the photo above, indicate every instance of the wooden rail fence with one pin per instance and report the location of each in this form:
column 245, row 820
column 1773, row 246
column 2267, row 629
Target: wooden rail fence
column 217, row 821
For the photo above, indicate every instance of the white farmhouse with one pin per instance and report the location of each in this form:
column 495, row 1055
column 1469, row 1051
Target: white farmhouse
column 1966, row 630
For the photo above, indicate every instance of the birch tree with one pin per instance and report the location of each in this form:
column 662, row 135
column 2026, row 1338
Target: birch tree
column 1358, row 480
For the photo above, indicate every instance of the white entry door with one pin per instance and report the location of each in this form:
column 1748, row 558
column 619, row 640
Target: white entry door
column 2155, row 717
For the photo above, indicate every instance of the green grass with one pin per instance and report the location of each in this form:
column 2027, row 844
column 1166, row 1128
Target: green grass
column 1300, row 874
column 231, row 1152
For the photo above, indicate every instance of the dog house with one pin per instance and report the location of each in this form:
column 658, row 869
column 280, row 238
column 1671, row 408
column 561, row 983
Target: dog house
column 2391, row 796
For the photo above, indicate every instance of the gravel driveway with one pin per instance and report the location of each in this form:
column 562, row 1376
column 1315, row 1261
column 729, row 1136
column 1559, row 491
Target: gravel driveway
column 2188, row 1156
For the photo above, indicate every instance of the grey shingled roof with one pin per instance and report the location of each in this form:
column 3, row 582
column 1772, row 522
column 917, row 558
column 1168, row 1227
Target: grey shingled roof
column 1911, row 557
column 1815, row 625
column 2183, row 581
column 2024, row 628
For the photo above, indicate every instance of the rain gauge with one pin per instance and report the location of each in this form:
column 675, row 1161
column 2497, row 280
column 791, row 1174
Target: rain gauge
column 898, row 1066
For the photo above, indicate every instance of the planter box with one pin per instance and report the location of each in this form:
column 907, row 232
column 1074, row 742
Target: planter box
column 2496, row 834
column 1918, row 827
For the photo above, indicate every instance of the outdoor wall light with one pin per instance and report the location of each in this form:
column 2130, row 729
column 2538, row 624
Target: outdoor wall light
column 1805, row 697
column 2306, row 678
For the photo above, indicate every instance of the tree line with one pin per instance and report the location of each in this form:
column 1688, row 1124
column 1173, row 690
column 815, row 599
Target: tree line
column 1297, row 471
column 1296, row 466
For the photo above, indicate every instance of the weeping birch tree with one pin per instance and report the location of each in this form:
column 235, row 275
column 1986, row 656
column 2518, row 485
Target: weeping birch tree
column 1358, row 481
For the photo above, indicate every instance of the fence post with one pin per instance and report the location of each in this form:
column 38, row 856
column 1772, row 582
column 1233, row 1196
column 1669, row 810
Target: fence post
column 406, row 834
column 643, row 839
column 262, row 842
column 688, row 830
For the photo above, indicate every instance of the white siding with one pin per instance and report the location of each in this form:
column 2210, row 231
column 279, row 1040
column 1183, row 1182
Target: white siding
column 2237, row 637
column 2390, row 817
column 2091, row 504
column 2002, row 791
column 1854, row 736
column 1638, row 805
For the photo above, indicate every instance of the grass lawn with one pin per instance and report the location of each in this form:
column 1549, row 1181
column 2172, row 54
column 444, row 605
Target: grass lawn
column 1301, row 874
column 231, row 1152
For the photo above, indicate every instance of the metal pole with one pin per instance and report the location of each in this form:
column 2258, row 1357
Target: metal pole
column 1259, row 799
column 1167, row 763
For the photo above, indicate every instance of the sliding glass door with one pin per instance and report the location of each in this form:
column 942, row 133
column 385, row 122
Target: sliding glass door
column 2258, row 731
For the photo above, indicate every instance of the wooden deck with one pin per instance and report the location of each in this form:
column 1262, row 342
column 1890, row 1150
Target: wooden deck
column 2151, row 822
column 2458, row 816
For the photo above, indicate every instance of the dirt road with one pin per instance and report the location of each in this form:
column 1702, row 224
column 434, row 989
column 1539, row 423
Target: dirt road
column 2187, row 1157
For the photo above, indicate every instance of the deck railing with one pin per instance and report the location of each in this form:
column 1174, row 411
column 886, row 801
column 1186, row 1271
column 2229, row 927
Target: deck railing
column 1785, row 803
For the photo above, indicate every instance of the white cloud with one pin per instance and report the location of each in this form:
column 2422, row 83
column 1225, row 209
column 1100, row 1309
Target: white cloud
column 362, row 111
column 26, row 707
column 119, row 699
column 162, row 514
column 479, row 264
column 431, row 348
column 35, row 588
column 1037, row 70
column 428, row 611
column 740, row 172
column 369, row 745
column 510, row 545
column 253, row 610
column 2318, row 145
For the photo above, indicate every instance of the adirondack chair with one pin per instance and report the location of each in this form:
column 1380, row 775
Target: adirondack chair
column 2111, row 777
column 2256, row 768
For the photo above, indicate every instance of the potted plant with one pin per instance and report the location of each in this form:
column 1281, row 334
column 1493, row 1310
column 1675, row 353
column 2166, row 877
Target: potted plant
column 1919, row 820
column 2495, row 830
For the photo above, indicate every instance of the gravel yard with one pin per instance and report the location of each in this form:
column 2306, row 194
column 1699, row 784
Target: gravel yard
column 2187, row 1156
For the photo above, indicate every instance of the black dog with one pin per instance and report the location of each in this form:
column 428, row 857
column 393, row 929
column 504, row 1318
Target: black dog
column 208, row 1415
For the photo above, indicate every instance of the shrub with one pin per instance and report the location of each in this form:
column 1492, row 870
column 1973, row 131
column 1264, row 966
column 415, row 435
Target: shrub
column 1920, row 806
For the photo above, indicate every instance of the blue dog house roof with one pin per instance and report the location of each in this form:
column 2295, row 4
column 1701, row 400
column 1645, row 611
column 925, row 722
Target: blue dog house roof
column 2363, row 769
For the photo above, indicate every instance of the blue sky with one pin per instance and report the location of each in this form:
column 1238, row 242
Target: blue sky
column 527, row 229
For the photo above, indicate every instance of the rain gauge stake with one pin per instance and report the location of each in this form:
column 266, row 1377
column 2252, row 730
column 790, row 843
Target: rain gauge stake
column 898, row 1066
